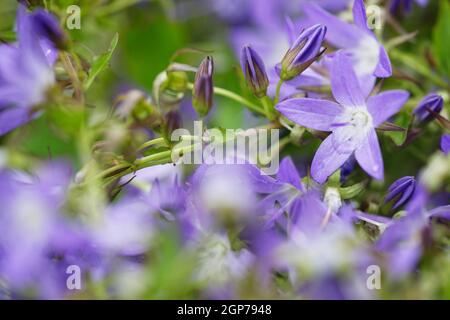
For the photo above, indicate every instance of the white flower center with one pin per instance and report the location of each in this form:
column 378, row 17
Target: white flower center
column 366, row 56
column 351, row 128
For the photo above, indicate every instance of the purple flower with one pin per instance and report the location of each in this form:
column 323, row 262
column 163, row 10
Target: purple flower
column 305, row 50
column 203, row 87
column 254, row 71
column 352, row 121
column 26, row 74
column 429, row 104
column 47, row 27
column 445, row 143
column 400, row 6
column 368, row 56
column 403, row 240
column 37, row 242
column 401, row 190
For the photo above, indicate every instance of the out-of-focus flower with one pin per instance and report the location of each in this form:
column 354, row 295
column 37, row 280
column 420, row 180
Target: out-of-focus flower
column 36, row 242
column 404, row 6
column 254, row 71
column 217, row 263
column 401, row 190
column 305, row 50
column 47, row 27
column 445, row 143
column 126, row 228
column 432, row 102
column 26, row 73
column 368, row 56
column 352, row 121
column 284, row 194
column 203, row 87
column 403, row 239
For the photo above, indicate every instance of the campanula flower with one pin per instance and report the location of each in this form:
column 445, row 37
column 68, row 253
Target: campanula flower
column 401, row 190
column 26, row 73
column 445, row 143
column 404, row 6
column 254, row 71
column 367, row 54
column 432, row 102
column 305, row 50
column 352, row 121
column 47, row 27
column 403, row 240
column 203, row 87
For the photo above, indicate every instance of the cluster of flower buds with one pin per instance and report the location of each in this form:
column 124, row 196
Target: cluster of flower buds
column 306, row 49
column 203, row 87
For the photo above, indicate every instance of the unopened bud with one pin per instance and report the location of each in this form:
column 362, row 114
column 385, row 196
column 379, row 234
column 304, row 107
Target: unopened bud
column 254, row 71
column 203, row 87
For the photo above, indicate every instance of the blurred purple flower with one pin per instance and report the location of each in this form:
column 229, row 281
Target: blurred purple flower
column 403, row 240
column 404, row 6
column 432, row 102
column 26, row 73
column 401, row 190
column 445, row 143
column 368, row 56
column 37, row 242
column 47, row 27
column 352, row 121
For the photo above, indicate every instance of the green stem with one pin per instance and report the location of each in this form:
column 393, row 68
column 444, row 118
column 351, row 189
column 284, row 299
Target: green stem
column 277, row 91
column 72, row 72
column 151, row 143
column 233, row 96
column 271, row 113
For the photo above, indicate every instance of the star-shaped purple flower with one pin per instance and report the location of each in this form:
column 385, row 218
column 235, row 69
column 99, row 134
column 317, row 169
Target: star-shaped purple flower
column 367, row 53
column 352, row 121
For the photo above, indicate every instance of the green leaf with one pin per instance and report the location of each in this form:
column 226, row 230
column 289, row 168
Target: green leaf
column 441, row 36
column 101, row 62
column 403, row 120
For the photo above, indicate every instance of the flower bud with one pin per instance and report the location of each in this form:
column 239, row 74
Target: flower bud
column 173, row 121
column 254, row 71
column 432, row 102
column 305, row 50
column 401, row 190
column 48, row 27
column 203, row 87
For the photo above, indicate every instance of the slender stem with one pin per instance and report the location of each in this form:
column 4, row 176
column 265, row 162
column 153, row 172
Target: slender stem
column 71, row 71
column 277, row 91
column 271, row 114
column 233, row 96
column 151, row 143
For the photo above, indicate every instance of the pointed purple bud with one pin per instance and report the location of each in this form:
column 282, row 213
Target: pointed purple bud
column 401, row 190
column 254, row 71
column 173, row 121
column 432, row 102
column 305, row 50
column 203, row 87
column 46, row 26
column 445, row 143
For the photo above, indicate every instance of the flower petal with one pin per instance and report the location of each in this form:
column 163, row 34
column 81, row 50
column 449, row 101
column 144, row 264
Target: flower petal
column 312, row 113
column 384, row 68
column 359, row 15
column 288, row 173
column 344, row 83
column 386, row 104
column 369, row 155
column 327, row 160
column 339, row 33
